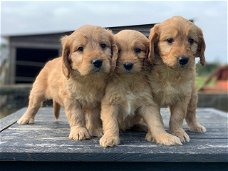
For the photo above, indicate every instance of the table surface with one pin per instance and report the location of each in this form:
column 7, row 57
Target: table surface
column 47, row 140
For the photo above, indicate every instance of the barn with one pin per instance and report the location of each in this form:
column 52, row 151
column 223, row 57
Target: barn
column 29, row 53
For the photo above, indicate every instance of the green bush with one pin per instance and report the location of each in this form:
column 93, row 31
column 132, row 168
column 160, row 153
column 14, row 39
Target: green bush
column 207, row 69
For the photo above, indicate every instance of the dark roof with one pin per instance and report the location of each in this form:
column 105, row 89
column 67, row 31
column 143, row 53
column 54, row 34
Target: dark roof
column 68, row 32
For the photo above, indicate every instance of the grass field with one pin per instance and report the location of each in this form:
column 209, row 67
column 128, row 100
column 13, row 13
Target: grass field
column 200, row 81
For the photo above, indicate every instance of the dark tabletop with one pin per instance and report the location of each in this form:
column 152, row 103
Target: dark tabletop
column 47, row 140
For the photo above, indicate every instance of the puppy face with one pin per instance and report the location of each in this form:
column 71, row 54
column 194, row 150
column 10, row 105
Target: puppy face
column 177, row 42
column 88, row 50
column 133, row 48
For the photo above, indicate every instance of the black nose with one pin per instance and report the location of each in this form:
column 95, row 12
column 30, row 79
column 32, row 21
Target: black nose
column 183, row 60
column 97, row 63
column 128, row 66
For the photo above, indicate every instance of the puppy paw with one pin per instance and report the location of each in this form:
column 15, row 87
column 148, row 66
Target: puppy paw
column 109, row 141
column 98, row 132
column 180, row 133
column 164, row 139
column 25, row 120
column 197, row 128
column 79, row 133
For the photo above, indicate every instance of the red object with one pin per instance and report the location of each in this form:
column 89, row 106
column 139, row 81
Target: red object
column 221, row 84
column 219, row 87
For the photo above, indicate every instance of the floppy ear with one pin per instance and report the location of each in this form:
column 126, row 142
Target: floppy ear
column 114, row 52
column 201, row 47
column 146, row 62
column 66, row 63
column 152, row 41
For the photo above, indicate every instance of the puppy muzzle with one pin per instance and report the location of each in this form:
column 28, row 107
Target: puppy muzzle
column 128, row 66
column 183, row 60
column 97, row 63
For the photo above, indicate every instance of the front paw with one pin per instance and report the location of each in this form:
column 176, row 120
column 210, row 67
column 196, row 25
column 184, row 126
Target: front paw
column 180, row 133
column 197, row 128
column 96, row 132
column 109, row 140
column 25, row 120
column 164, row 139
column 79, row 133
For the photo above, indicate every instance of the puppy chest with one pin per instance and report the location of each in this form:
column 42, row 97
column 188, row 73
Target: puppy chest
column 88, row 95
column 130, row 105
column 168, row 94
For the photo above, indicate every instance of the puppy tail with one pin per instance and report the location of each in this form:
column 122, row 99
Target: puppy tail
column 56, row 109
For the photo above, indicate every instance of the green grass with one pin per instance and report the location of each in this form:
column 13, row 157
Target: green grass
column 200, row 81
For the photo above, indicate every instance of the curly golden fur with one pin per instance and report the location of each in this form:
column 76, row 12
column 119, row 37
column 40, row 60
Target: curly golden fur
column 174, row 45
column 76, row 80
column 128, row 96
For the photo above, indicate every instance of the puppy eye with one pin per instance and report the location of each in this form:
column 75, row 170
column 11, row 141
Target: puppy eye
column 190, row 40
column 80, row 49
column 103, row 45
column 119, row 51
column 170, row 40
column 137, row 50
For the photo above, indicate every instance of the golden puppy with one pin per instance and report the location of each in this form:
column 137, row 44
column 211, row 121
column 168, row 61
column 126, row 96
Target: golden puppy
column 174, row 44
column 128, row 96
column 76, row 80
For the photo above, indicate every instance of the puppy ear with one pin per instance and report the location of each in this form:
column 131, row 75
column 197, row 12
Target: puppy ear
column 152, row 41
column 114, row 50
column 114, row 55
column 66, row 63
column 146, row 62
column 201, row 47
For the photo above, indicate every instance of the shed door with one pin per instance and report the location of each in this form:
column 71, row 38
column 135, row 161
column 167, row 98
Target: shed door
column 30, row 61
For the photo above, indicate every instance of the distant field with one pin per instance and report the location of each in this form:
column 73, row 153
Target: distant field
column 200, row 81
column 203, row 72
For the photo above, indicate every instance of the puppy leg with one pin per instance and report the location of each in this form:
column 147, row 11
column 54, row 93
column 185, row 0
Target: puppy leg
column 76, row 119
column 156, row 131
column 93, row 122
column 35, row 100
column 191, row 119
column 178, row 113
column 109, row 116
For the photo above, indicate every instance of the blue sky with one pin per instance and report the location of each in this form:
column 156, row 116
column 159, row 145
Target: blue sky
column 41, row 17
